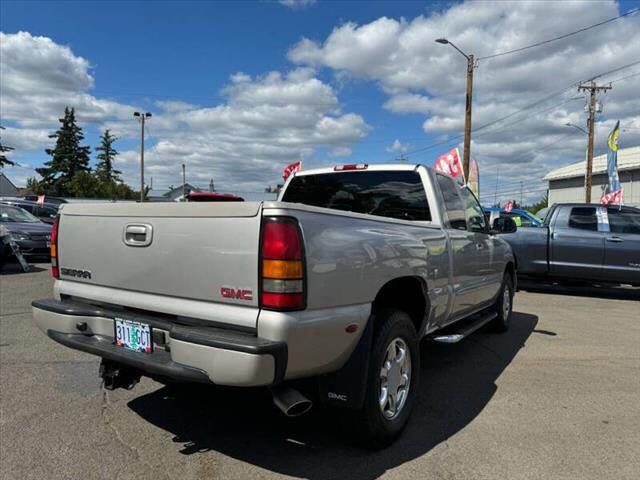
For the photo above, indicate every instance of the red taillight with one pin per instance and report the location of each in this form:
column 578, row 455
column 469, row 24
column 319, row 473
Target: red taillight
column 54, row 248
column 282, row 265
column 280, row 240
column 359, row 166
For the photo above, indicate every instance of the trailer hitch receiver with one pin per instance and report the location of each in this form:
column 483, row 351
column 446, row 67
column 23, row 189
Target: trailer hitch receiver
column 116, row 375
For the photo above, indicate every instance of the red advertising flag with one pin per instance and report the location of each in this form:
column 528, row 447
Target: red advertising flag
column 612, row 198
column 291, row 168
column 450, row 164
column 40, row 200
column 508, row 206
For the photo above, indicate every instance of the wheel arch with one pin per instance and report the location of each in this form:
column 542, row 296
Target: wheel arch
column 510, row 268
column 409, row 294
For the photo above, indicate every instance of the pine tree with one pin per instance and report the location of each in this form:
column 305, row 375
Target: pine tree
column 3, row 149
column 67, row 157
column 104, row 169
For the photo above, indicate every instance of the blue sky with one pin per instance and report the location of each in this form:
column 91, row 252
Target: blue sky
column 142, row 53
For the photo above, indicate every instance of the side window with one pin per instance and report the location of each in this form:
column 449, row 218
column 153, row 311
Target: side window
column 624, row 221
column 519, row 220
column 27, row 206
column 583, row 218
column 452, row 202
column 473, row 212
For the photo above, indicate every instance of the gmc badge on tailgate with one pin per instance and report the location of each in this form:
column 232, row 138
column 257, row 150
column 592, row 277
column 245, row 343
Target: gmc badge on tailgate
column 237, row 293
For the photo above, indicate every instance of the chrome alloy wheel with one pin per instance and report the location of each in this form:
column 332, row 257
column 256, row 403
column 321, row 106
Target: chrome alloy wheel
column 506, row 302
column 395, row 378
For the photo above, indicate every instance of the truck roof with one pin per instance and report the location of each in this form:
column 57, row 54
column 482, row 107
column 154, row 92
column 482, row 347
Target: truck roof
column 360, row 167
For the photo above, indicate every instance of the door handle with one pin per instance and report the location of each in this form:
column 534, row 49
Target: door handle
column 138, row 234
column 614, row 239
column 479, row 246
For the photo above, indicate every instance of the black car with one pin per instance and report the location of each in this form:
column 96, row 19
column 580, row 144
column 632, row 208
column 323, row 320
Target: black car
column 46, row 212
column 48, row 199
column 26, row 230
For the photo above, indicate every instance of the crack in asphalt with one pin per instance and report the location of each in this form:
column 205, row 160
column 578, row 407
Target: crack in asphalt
column 106, row 420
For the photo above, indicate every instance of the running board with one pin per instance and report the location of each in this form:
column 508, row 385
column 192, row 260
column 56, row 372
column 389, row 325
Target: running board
column 463, row 329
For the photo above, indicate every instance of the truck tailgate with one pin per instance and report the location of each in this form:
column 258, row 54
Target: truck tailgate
column 196, row 251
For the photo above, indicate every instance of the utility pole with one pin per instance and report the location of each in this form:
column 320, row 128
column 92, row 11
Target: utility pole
column 593, row 89
column 142, row 117
column 211, row 186
column 466, row 153
column 151, row 184
column 184, row 184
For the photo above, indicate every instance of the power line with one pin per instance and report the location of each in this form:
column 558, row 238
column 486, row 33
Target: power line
column 566, row 35
column 502, row 194
column 527, row 107
column 625, row 78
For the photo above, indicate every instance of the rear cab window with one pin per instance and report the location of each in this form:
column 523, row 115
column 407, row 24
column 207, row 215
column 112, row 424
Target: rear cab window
column 624, row 220
column 392, row 194
column 583, row 218
column 453, row 204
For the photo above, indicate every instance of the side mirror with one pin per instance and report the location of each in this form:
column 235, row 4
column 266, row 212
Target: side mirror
column 504, row 225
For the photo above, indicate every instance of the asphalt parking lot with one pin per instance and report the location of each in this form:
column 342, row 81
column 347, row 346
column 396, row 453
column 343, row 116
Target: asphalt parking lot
column 557, row 397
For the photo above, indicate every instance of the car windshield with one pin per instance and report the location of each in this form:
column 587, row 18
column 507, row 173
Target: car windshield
column 17, row 215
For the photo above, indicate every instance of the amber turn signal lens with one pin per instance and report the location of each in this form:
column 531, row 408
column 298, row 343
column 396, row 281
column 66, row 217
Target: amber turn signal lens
column 282, row 269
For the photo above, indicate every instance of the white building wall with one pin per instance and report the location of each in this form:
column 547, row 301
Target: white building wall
column 572, row 189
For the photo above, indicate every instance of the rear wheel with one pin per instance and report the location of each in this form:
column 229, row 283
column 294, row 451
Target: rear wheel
column 392, row 381
column 504, row 305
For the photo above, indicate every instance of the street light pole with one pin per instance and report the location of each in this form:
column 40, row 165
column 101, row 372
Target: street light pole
column 142, row 117
column 466, row 153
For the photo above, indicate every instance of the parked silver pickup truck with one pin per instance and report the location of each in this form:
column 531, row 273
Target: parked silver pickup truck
column 580, row 241
column 335, row 284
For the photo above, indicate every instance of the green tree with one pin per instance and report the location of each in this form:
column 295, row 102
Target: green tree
column 4, row 149
column 104, row 169
column 540, row 204
column 84, row 185
column 34, row 186
column 68, row 157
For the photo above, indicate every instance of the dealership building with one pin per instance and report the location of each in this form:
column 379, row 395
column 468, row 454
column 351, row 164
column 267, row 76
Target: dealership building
column 566, row 184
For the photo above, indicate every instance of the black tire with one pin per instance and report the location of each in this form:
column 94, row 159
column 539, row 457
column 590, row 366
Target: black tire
column 376, row 430
column 501, row 322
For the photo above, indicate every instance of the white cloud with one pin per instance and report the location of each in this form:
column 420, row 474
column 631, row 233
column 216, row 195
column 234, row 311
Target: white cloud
column 264, row 123
column 39, row 78
column 397, row 147
column 424, row 77
column 297, row 4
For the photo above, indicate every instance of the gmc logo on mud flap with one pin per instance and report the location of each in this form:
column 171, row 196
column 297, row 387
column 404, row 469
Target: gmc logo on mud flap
column 237, row 293
column 337, row 396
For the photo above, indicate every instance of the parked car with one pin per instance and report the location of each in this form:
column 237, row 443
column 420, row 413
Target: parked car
column 522, row 218
column 45, row 212
column 29, row 233
column 48, row 199
column 542, row 213
column 327, row 290
column 212, row 197
column 581, row 242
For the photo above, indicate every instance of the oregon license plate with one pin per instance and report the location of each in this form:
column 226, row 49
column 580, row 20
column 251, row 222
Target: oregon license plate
column 133, row 335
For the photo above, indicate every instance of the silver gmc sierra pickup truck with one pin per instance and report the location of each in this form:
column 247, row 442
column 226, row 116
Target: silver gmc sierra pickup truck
column 332, row 286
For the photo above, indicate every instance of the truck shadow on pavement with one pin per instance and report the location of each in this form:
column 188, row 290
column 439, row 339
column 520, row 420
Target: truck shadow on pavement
column 457, row 382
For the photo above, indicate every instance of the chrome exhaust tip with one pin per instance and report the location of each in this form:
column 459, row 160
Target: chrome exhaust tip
column 290, row 401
